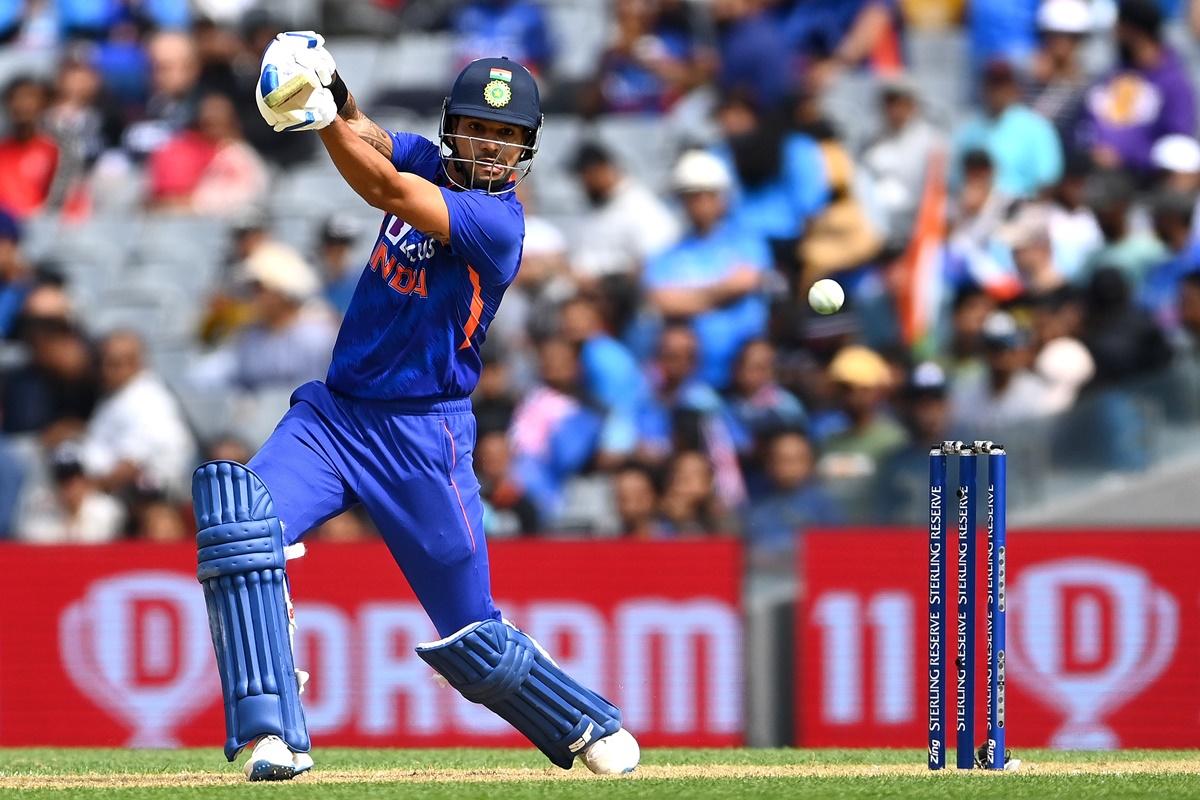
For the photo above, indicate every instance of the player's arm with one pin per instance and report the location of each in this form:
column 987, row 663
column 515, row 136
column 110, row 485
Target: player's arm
column 366, row 128
column 361, row 161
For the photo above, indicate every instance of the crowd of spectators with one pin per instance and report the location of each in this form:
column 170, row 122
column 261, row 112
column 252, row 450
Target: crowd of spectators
column 654, row 370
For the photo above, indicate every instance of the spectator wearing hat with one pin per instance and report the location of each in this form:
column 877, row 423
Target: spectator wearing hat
column 291, row 338
column 72, row 509
column 852, row 457
column 626, row 223
column 1176, row 159
column 1057, row 81
column 985, row 402
column 337, row 260
column 227, row 310
column 1173, row 214
column 897, row 159
column 924, row 406
column 1148, row 95
column 28, row 155
column 1023, row 144
column 795, row 501
column 137, row 436
column 713, row 277
column 16, row 278
column 863, row 380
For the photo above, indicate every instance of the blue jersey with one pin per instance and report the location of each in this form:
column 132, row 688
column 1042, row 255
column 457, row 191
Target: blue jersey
column 422, row 308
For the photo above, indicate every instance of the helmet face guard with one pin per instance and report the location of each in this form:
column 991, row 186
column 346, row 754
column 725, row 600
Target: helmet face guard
column 461, row 155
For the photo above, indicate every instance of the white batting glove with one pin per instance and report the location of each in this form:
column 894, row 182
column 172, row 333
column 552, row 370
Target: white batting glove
column 291, row 93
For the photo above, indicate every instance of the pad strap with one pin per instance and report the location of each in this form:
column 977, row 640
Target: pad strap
column 496, row 665
column 240, row 563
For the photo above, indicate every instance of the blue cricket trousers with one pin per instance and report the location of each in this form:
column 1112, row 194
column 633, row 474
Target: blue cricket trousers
column 409, row 464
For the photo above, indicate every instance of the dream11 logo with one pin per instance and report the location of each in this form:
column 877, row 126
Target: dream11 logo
column 1087, row 636
column 138, row 646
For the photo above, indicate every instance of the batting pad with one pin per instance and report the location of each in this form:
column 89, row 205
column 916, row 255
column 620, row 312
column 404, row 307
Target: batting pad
column 494, row 664
column 241, row 566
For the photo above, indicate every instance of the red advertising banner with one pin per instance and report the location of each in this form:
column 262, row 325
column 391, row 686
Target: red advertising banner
column 110, row 645
column 1103, row 639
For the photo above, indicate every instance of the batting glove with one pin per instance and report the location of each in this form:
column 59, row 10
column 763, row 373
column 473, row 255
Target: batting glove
column 291, row 94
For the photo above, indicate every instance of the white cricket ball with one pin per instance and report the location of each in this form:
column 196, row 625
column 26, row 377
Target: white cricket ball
column 616, row 754
column 826, row 296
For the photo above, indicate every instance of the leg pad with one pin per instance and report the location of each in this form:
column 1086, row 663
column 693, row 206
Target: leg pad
column 240, row 564
column 496, row 665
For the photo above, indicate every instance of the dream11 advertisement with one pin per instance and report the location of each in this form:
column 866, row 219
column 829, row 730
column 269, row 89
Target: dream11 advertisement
column 109, row 645
column 1103, row 639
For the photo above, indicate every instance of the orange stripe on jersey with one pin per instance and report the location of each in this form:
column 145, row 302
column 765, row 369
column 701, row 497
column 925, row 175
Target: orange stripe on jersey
column 476, row 309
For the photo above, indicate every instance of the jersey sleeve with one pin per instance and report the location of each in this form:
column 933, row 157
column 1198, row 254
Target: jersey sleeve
column 487, row 232
column 415, row 154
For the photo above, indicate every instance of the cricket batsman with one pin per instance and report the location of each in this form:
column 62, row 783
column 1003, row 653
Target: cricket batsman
column 391, row 426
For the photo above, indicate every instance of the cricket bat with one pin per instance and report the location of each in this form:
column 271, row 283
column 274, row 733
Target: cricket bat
column 289, row 89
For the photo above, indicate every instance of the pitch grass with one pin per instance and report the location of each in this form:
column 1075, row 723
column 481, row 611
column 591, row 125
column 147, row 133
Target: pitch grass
column 343, row 774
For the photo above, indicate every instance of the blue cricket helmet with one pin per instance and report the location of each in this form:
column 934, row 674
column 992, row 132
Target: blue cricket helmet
column 499, row 90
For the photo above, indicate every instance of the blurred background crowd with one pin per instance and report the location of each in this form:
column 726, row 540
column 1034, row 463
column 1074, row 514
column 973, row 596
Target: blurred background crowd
column 1007, row 189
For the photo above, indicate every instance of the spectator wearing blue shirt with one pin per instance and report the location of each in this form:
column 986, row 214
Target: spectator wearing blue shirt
column 834, row 34
column 1002, row 30
column 15, row 278
column 611, row 378
column 553, row 432
column 754, row 55
column 1159, row 292
column 779, row 175
column 514, row 28
column 713, row 277
column 759, row 404
column 796, row 500
column 654, row 59
column 685, row 413
column 1022, row 144
column 340, row 265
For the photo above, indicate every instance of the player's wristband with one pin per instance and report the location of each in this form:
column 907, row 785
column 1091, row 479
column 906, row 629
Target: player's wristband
column 339, row 91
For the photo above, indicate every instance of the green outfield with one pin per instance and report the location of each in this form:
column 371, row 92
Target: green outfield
column 515, row 774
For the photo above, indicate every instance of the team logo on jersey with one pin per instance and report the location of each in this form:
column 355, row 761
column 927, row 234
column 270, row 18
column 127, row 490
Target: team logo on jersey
column 497, row 94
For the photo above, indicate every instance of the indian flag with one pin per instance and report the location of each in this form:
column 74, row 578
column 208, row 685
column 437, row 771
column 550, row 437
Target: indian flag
column 501, row 75
column 921, row 295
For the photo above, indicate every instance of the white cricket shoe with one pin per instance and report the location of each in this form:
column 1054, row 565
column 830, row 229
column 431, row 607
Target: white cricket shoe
column 272, row 760
column 615, row 754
